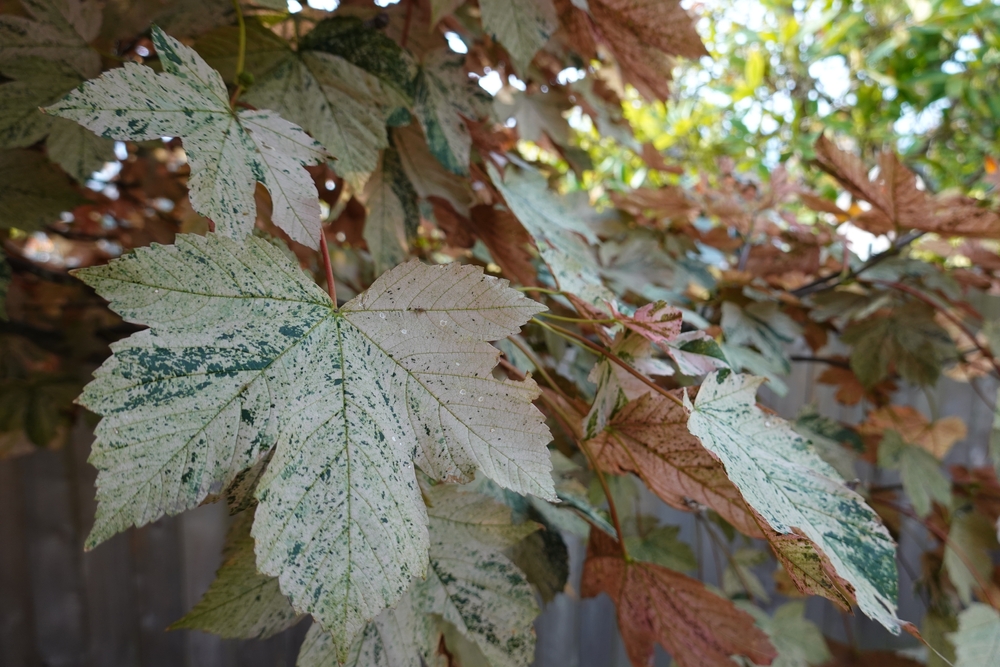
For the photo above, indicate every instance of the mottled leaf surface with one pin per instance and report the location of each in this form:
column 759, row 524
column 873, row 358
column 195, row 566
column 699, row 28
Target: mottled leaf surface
column 229, row 151
column 559, row 236
column 393, row 216
column 444, row 96
column 522, row 26
column 649, row 437
column 244, row 353
column 782, row 477
column 977, row 641
column 659, row 606
column 470, row 584
column 241, row 602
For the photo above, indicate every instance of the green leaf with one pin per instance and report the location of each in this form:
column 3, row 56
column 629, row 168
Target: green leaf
column 241, row 602
column 57, row 30
column 340, row 104
column 967, row 558
column 663, row 547
column 228, row 151
column 558, row 235
column 794, row 490
column 920, row 472
column 444, row 95
column 245, row 353
column 907, row 337
column 392, row 217
column 977, row 641
column 34, row 192
column 522, row 26
column 35, row 83
column 350, row 38
column 799, row 642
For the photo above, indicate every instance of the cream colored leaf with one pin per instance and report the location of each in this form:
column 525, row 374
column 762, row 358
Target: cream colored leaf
column 245, row 353
column 228, row 151
column 783, row 478
column 241, row 602
column 977, row 642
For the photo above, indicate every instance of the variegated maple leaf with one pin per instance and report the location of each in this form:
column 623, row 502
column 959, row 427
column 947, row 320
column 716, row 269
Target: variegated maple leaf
column 246, row 358
column 229, row 151
column 795, row 492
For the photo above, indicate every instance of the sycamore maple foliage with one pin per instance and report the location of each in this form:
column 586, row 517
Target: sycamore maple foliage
column 395, row 471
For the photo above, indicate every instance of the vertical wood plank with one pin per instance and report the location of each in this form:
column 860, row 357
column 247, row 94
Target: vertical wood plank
column 202, row 534
column 158, row 586
column 17, row 630
column 113, row 637
column 55, row 561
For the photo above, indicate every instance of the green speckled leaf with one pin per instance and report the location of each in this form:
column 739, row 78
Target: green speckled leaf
column 371, row 50
column 241, row 602
column 340, row 104
column 977, row 642
column 522, row 26
column 470, row 584
column 57, row 30
column 559, row 236
column 36, row 82
column 34, row 192
column 245, row 353
column 782, row 477
column 444, row 95
column 392, row 214
column 228, row 152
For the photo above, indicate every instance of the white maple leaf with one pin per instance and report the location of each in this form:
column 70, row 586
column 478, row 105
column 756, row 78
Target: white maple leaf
column 470, row 584
column 977, row 641
column 229, row 151
column 245, row 353
column 781, row 476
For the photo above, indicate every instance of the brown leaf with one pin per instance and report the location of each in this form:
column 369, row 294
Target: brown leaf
column 808, row 568
column 848, row 656
column 660, row 606
column 656, row 322
column 936, row 438
column 654, row 160
column 643, row 35
column 508, row 242
column 850, row 391
column 454, row 225
column 666, row 202
column 649, row 437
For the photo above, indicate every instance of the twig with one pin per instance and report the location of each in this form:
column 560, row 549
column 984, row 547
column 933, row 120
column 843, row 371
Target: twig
column 820, row 284
column 839, row 363
column 406, row 24
column 917, row 294
column 565, row 333
column 565, row 420
column 331, row 286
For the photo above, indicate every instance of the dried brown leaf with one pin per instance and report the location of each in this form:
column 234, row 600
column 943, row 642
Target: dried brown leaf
column 660, row 606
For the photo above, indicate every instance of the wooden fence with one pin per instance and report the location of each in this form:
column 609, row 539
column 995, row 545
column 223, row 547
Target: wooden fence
column 61, row 607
